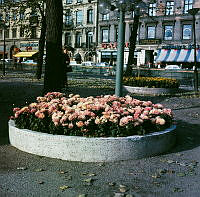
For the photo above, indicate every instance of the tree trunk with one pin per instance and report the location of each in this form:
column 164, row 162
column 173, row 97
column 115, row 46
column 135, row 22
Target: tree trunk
column 41, row 48
column 54, row 77
column 132, row 41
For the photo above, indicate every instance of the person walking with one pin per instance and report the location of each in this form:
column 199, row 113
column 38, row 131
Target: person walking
column 66, row 62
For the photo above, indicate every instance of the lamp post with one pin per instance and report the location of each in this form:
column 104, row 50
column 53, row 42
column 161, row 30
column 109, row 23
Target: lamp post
column 193, row 12
column 122, row 6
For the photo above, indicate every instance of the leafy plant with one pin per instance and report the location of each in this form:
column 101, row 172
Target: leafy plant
column 102, row 116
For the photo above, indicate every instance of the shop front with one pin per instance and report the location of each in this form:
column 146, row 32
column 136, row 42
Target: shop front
column 179, row 55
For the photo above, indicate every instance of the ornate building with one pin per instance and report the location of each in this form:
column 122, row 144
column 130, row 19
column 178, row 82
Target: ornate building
column 165, row 32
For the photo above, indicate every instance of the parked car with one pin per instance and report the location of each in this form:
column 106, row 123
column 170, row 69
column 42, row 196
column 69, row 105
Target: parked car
column 103, row 64
column 29, row 62
column 73, row 63
column 7, row 60
column 172, row 67
column 89, row 63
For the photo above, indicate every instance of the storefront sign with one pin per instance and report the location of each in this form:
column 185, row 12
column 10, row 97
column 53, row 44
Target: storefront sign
column 113, row 45
column 29, row 44
column 190, row 46
column 149, row 41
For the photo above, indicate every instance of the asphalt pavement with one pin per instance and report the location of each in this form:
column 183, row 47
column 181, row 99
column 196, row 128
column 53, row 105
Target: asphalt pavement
column 175, row 173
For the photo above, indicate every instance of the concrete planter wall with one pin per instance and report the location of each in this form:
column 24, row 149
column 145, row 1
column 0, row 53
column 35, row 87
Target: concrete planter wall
column 84, row 149
column 153, row 91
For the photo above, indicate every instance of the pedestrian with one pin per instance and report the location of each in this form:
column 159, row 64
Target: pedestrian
column 66, row 62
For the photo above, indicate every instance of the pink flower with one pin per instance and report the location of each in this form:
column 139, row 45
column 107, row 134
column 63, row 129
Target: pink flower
column 16, row 109
column 158, row 106
column 159, row 120
column 70, row 125
column 97, row 120
column 79, row 124
column 39, row 114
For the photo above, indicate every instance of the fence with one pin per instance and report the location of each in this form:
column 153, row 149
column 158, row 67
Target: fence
column 186, row 77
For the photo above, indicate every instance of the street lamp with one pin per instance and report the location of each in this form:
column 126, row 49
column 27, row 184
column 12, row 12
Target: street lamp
column 193, row 12
column 105, row 6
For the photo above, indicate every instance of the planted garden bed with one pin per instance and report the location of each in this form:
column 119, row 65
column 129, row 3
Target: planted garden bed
column 150, row 85
column 92, row 129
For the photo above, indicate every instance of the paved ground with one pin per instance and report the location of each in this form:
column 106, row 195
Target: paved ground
column 175, row 173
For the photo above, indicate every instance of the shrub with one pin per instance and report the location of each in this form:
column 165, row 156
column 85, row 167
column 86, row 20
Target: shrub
column 150, row 82
column 101, row 116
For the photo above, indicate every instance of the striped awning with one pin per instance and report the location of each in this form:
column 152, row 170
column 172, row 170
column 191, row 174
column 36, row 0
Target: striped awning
column 177, row 55
column 25, row 54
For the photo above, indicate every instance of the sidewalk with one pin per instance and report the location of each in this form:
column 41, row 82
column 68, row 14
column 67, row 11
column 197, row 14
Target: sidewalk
column 175, row 173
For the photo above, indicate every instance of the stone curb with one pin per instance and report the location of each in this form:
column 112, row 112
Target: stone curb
column 150, row 91
column 75, row 148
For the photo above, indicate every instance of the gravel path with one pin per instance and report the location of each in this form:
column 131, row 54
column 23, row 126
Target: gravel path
column 175, row 173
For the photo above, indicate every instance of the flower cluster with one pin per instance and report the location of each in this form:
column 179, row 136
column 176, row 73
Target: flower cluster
column 99, row 116
column 151, row 82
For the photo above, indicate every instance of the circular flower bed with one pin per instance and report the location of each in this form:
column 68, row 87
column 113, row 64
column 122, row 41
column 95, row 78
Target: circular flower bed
column 102, row 116
column 151, row 82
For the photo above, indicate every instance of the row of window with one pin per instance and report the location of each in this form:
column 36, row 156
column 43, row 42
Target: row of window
column 79, row 17
column 168, row 9
column 32, row 32
column 78, row 39
column 169, row 32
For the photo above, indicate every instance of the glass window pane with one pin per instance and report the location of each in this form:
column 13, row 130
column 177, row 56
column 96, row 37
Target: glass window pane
column 187, row 32
column 151, row 32
column 168, row 34
column 105, row 35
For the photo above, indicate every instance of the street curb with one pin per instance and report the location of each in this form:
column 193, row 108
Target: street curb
column 84, row 149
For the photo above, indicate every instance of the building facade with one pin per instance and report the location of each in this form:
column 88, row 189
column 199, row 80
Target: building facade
column 19, row 29
column 80, row 28
column 165, row 32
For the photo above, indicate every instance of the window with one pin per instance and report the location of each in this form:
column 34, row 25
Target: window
column 187, row 32
column 187, row 5
column 116, row 33
column 14, row 32
column 79, row 17
column 14, row 16
column 7, row 17
column 169, row 10
column 1, row 1
column 1, row 34
column 105, row 35
column 151, row 32
column 78, row 39
column 33, row 32
column 168, row 32
column 105, row 17
column 89, row 39
column 90, row 16
column 68, row 18
column 79, row 1
column 68, row 39
column 21, row 15
column 6, row 32
column 22, row 32
column 68, row 1
column 152, row 9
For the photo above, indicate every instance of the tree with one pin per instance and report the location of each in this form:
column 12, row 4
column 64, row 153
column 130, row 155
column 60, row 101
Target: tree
column 132, row 41
column 54, row 69
column 29, row 9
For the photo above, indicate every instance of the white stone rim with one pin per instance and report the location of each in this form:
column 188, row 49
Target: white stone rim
column 94, row 149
